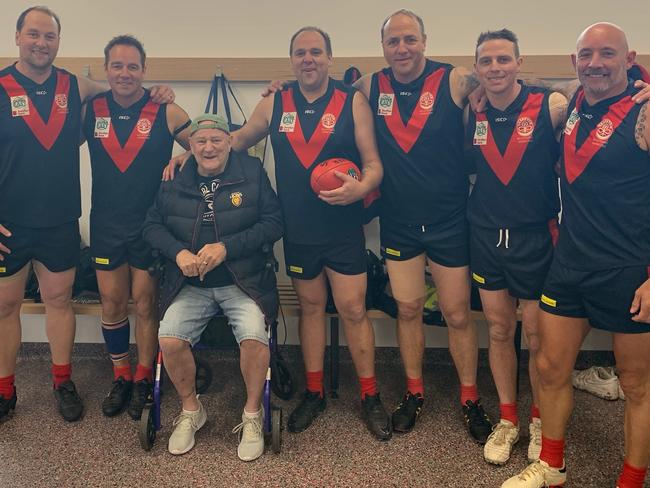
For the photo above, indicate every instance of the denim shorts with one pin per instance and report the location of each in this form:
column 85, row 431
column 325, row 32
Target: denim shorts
column 189, row 314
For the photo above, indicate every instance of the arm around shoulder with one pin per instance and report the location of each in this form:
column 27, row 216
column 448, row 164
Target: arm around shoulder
column 257, row 126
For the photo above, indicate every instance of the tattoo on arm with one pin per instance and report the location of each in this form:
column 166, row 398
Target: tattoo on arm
column 639, row 130
column 469, row 82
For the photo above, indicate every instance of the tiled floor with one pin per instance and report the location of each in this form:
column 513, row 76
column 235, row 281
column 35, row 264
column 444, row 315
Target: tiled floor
column 39, row 449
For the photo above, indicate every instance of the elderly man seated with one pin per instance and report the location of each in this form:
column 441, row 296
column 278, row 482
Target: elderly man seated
column 216, row 224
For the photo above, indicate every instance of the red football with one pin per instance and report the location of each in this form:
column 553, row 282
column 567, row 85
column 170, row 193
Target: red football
column 323, row 177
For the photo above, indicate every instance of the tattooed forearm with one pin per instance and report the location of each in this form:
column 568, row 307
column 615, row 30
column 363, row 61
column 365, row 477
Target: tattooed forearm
column 640, row 128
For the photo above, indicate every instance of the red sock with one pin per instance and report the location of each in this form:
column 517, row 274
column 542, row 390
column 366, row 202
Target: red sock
column 368, row 386
column 415, row 386
column 143, row 373
column 61, row 373
column 534, row 412
column 509, row 412
column 631, row 477
column 315, row 381
column 552, row 452
column 123, row 371
column 468, row 392
column 7, row 386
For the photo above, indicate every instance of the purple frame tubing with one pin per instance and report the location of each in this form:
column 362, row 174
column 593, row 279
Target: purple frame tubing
column 157, row 385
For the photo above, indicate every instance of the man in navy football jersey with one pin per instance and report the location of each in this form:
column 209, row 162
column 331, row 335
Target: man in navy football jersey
column 600, row 272
column 512, row 212
column 310, row 121
column 130, row 139
column 40, row 198
column 417, row 106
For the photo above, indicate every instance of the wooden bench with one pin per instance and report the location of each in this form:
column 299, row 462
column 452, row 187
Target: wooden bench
column 290, row 307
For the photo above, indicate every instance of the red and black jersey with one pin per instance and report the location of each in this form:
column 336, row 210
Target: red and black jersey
column 303, row 135
column 605, row 186
column 39, row 149
column 420, row 139
column 514, row 152
column 129, row 147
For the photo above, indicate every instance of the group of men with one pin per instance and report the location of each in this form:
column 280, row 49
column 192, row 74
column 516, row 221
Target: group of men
column 409, row 128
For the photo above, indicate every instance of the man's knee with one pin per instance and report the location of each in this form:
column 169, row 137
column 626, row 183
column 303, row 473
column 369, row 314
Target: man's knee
column 253, row 346
column 57, row 294
column 172, row 345
column 457, row 317
column 10, row 305
column 353, row 311
column 550, row 371
column 410, row 311
column 501, row 331
column 145, row 306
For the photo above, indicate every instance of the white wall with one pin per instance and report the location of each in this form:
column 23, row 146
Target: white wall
column 209, row 28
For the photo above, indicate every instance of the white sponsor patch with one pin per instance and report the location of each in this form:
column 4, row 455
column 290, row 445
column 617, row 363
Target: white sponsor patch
column 385, row 103
column 288, row 122
column 481, row 133
column 102, row 127
column 19, row 106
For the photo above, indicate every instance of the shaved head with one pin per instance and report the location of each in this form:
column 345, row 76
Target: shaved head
column 607, row 30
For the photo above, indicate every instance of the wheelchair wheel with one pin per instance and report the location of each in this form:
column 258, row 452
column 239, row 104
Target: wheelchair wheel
column 146, row 428
column 276, row 429
column 203, row 376
column 281, row 379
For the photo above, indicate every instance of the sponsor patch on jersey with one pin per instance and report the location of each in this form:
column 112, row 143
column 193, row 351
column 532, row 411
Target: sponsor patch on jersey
column 61, row 100
column 3, row 270
column 573, row 120
column 393, row 252
column 328, row 121
column 385, row 104
column 549, row 301
column 104, row 261
column 102, row 127
column 19, row 106
column 288, row 122
column 426, row 101
column 604, row 129
column 480, row 133
column 478, row 278
column 295, row 269
column 525, row 126
column 144, row 127
column 236, row 198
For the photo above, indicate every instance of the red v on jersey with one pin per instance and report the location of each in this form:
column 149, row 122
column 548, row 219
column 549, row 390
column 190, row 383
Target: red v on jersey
column 308, row 151
column 577, row 160
column 505, row 166
column 406, row 135
column 124, row 156
column 46, row 134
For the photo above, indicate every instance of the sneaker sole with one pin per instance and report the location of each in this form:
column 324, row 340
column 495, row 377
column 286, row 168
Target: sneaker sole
column 249, row 459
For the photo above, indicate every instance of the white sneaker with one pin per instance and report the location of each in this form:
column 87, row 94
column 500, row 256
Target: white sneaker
column 499, row 445
column 537, row 475
column 251, row 435
column 535, row 442
column 598, row 381
column 185, row 426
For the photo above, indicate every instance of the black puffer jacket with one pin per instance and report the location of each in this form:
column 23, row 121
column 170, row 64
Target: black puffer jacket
column 247, row 220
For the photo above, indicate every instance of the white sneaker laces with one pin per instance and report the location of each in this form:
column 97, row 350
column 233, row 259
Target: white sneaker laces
column 187, row 421
column 249, row 427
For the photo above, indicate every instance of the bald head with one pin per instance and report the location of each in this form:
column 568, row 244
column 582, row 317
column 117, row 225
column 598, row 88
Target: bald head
column 605, row 31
